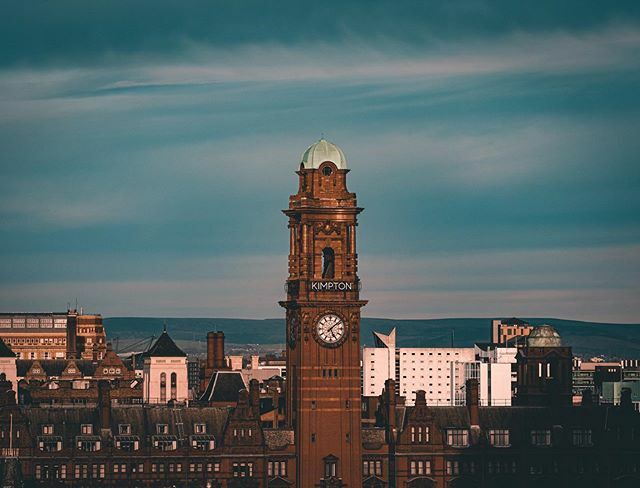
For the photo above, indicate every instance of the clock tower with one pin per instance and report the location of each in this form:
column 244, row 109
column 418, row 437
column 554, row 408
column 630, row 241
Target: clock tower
column 323, row 323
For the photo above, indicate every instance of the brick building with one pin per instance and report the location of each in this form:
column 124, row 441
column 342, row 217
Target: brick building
column 406, row 446
column 54, row 335
column 509, row 332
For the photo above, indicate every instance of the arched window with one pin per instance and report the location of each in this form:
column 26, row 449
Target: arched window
column 328, row 263
column 174, row 386
column 163, row 387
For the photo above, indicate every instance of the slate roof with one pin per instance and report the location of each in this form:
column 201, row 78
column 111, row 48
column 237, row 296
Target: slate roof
column 5, row 351
column 143, row 420
column 165, row 347
column 55, row 367
column 522, row 417
column 224, row 386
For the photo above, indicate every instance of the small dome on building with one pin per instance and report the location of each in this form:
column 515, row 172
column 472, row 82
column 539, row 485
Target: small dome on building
column 322, row 151
column 544, row 336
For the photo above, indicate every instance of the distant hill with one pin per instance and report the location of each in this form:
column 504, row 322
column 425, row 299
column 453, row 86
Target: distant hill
column 586, row 338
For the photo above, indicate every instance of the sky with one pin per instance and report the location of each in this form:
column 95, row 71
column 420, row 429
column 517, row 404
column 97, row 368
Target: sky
column 147, row 149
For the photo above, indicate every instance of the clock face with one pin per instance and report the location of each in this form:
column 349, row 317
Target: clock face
column 330, row 329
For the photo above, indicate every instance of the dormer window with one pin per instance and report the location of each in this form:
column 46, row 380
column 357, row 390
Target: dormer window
column 200, row 428
column 203, row 442
column 86, row 429
column 124, row 429
column 165, row 442
column 127, row 442
column 499, row 438
column 162, row 429
column 50, row 443
column 88, row 444
column 47, row 429
column 458, row 437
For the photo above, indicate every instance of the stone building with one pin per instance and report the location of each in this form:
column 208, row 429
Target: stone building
column 165, row 375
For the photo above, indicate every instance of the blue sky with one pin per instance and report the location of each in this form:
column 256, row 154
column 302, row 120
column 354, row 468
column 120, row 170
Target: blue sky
column 146, row 149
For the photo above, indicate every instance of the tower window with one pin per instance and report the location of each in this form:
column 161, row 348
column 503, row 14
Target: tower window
column 327, row 171
column 328, row 263
column 174, row 386
column 330, row 467
column 163, row 387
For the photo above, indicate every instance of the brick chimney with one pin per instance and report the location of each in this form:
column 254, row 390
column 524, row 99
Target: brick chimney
column 210, row 346
column 389, row 402
column 626, row 403
column 473, row 401
column 104, row 405
column 254, row 397
column 215, row 351
column 255, row 362
column 72, row 334
column 421, row 399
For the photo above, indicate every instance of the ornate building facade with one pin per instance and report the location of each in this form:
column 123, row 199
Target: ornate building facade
column 323, row 321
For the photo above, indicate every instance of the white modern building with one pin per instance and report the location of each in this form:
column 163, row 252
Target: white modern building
column 440, row 371
column 165, row 372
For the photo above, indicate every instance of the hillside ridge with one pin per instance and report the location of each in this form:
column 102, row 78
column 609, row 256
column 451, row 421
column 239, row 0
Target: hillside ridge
column 586, row 338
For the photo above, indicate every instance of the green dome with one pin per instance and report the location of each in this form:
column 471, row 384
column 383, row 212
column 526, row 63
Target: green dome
column 322, row 151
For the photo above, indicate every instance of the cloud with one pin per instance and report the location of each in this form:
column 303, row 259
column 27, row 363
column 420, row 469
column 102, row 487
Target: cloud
column 613, row 47
column 491, row 162
column 579, row 283
column 106, row 32
column 590, row 284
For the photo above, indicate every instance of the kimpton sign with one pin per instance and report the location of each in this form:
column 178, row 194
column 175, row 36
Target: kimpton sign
column 331, row 286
